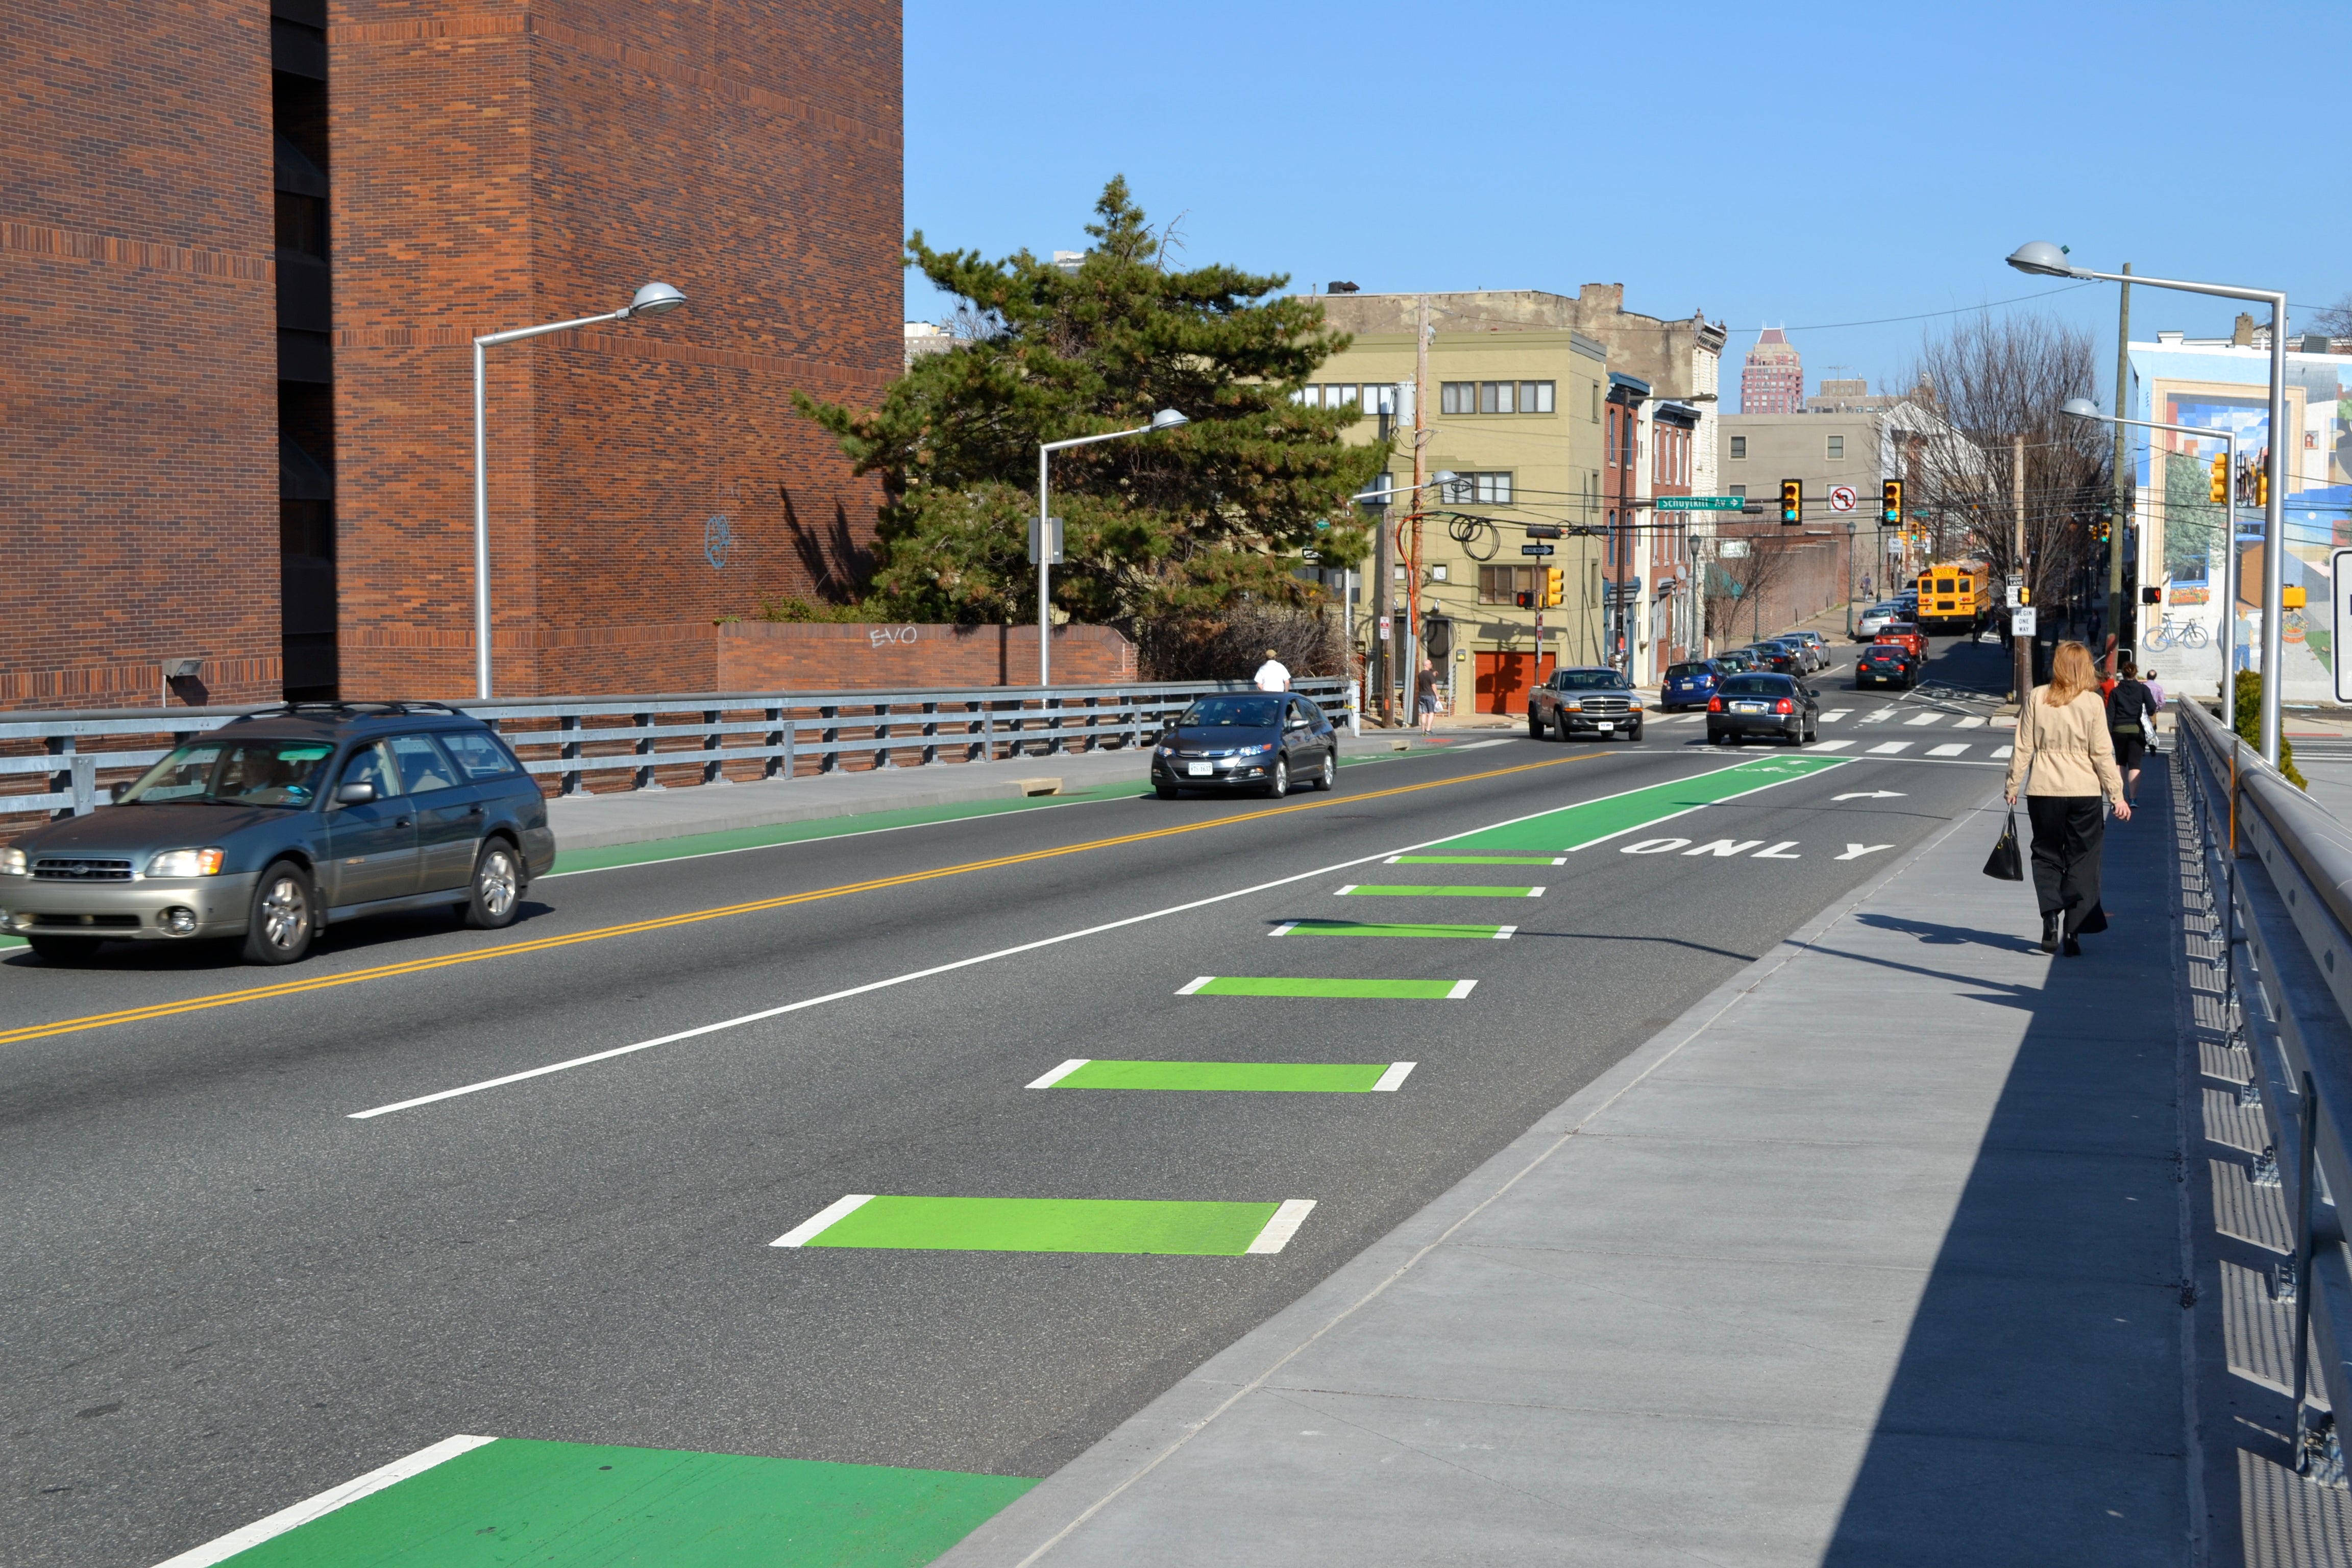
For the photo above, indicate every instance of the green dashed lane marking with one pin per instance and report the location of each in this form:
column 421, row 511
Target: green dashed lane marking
column 1475, row 860
column 1280, row 1078
column 1300, row 985
column 572, row 1505
column 1406, row 890
column 1373, row 928
column 1130, row 1226
column 1579, row 826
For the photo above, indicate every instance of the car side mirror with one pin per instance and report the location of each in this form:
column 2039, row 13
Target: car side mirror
column 355, row 794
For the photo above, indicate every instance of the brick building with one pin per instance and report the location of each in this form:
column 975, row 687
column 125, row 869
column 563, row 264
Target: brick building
column 246, row 250
column 1773, row 379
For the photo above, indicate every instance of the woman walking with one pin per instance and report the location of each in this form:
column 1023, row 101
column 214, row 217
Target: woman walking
column 2063, row 744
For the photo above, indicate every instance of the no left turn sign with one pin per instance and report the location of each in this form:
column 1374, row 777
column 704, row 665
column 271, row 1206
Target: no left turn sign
column 1841, row 498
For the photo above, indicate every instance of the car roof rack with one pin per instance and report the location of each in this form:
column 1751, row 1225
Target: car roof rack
column 350, row 710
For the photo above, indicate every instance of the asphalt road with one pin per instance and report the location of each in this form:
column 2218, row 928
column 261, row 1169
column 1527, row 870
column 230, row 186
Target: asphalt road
column 225, row 1293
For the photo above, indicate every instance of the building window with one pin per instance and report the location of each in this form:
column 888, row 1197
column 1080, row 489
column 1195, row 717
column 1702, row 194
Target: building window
column 1372, row 397
column 1479, row 489
column 1495, row 396
column 1837, row 450
column 1739, row 448
column 1504, row 584
column 1612, row 436
column 1739, row 490
column 1535, row 396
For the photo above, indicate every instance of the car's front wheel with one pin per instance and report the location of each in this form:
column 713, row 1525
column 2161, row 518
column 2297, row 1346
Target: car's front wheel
column 495, row 896
column 1277, row 779
column 284, row 915
column 1535, row 725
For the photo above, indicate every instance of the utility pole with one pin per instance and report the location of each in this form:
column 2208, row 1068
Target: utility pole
column 1409, row 641
column 1376, row 664
column 2020, row 646
column 2118, row 613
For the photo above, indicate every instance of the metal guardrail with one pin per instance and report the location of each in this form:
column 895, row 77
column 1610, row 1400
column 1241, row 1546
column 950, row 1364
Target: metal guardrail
column 2284, row 865
column 663, row 741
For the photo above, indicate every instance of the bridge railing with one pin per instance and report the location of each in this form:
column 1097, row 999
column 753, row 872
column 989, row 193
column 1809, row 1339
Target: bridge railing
column 2283, row 867
column 65, row 763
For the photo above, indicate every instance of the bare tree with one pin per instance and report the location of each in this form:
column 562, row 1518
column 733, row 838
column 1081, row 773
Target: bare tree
column 1986, row 384
column 1755, row 575
column 2335, row 320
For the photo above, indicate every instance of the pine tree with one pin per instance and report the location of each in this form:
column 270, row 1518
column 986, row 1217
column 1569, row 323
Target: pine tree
column 1175, row 523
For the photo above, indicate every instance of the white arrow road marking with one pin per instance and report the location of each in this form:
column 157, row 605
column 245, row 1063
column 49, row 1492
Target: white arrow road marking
column 1868, row 794
column 1774, row 853
column 1856, row 851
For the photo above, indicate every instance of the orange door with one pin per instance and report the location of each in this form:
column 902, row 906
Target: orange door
column 1504, row 680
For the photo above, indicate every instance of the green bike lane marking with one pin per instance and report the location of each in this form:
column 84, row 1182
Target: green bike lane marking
column 1397, row 929
column 1299, row 986
column 1285, row 1078
column 1475, row 860
column 479, row 1502
column 1579, row 826
column 1402, row 890
column 1132, row 1226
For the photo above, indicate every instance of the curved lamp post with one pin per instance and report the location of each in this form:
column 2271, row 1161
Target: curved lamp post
column 653, row 300
column 1166, row 419
column 2046, row 260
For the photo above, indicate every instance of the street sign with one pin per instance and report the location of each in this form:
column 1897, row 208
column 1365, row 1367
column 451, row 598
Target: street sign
column 2340, row 566
column 1841, row 498
column 1384, row 628
column 1535, row 550
column 1731, row 548
column 1702, row 503
column 1052, row 550
column 2023, row 621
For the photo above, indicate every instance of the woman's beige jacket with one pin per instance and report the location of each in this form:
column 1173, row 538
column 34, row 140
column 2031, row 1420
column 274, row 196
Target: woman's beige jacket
column 2068, row 748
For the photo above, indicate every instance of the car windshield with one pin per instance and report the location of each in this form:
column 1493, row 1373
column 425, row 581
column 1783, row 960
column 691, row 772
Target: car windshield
column 1686, row 671
column 1587, row 680
column 254, row 773
column 1759, row 686
column 1882, row 652
column 1234, row 712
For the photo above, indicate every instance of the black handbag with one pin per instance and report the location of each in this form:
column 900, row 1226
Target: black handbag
column 2005, row 863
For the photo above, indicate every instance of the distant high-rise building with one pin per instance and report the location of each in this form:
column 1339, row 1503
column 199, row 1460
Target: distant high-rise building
column 1773, row 379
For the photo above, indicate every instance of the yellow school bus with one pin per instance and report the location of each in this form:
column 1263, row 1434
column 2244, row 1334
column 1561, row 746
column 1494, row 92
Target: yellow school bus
column 1952, row 596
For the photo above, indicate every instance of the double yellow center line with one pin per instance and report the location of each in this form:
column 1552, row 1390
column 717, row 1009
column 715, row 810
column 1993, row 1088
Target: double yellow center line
column 693, row 917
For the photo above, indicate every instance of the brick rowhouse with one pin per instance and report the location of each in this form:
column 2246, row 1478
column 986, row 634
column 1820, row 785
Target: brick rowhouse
column 438, row 171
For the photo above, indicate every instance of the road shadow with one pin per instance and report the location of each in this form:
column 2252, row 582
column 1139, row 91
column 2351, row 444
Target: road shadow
column 359, row 934
column 2034, row 1414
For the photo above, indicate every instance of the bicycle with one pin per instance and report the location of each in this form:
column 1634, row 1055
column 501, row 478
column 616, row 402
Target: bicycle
column 2176, row 634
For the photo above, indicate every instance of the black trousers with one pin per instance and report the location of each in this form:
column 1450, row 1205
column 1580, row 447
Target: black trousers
column 2068, row 831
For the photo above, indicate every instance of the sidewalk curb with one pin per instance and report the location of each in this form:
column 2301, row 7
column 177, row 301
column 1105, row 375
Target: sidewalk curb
column 1028, row 1531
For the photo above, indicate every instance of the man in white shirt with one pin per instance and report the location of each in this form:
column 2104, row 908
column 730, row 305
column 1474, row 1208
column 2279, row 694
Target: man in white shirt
column 1272, row 674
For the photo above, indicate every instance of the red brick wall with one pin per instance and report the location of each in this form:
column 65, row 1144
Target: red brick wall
column 138, row 452
column 512, row 163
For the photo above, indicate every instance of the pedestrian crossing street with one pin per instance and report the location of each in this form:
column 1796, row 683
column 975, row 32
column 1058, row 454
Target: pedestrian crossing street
column 1924, row 747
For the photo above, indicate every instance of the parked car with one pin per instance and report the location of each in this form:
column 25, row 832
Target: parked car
column 1689, row 685
column 1777, row 656
column 1779, row 707
column 1886, row 663
column 1737, row 662
column 1908, row 635
column 1817, row 648
column 1263, row 742
column 279, row 823
column 1586, row 701
column 1867, row 625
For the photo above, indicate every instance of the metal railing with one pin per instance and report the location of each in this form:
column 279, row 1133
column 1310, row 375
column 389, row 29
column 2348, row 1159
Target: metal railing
column 65, row 763
column 2283, row 866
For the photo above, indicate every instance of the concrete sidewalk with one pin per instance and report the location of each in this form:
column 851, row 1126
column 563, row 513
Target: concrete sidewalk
column 1875, row 1256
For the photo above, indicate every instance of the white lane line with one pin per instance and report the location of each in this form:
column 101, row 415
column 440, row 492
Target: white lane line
column 1829, row 745
column 1835, row 714
column 2002, row 750
column 1348, row 889
column 1394, row 1075
column 326, row 1502
column 1924, row 718
column 1461, row 988
column 1059, row 1073
column 1282, row 1227
column 1669, row 816
column 1948, row 749
column 1481, row 745
column 911, row 975
column 1688, row 719
column 817, row 1224
column 1285, row 928
column 1889, row 748
column 1505, row 933
column 1535, row 892
column 1973, row 721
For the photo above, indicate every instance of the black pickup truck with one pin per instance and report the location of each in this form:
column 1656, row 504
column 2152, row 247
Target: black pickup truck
column 1587, row 700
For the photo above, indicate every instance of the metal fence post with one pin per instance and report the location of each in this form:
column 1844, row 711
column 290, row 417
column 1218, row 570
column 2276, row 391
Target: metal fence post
column 645, row 772
column 85, row 784
column 828, row 757
column 774, row 737
column 882, row 736
column 987, row 730
column 2307, row 1128
column 568, row 726
column 712, row 772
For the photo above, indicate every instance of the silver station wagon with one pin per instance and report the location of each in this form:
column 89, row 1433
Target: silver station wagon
column 278, row 822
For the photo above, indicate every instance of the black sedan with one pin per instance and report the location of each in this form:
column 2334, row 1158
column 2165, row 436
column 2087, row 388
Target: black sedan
column 1886, row 663
column 1771, row 654
column 1260, row 742
column 1777, row 706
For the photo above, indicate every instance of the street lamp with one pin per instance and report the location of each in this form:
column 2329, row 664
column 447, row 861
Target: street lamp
column 2045, row 259
column 1166, row 419
column 653, row 300
column 2083, row 408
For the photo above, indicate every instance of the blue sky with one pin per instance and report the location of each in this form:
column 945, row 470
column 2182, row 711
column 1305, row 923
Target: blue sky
column 1807, row 164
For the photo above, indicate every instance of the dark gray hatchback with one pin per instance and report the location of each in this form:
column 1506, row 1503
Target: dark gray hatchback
column 278, row 822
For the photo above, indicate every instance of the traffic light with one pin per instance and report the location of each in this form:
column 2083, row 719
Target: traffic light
column 1792, row 503
column 1890, row 502
column 1542, row 530
column 2220, row 490
column 1526, row 601
column 1555, row 589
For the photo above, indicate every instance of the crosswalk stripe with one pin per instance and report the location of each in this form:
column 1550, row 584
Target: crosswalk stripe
column 1971, row 723
column 1879, row 717
column 1948, row 749
column 1835, row 714
column 2002, row 750
column 1829, row 745
column 1889, row 748
column 1925, row 719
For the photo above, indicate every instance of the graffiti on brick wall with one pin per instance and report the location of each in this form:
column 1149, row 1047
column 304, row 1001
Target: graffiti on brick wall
column 884, row 636
column 718, row 540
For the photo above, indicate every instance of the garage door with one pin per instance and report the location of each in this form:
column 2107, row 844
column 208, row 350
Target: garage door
column 1504, row 680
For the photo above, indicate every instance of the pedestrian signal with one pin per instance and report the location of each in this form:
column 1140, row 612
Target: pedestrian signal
column 1890, row 506
column 1792, row 503
column 1555, row 592
column 2220, row 490
column 2263, row 486
column 1525, row 601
